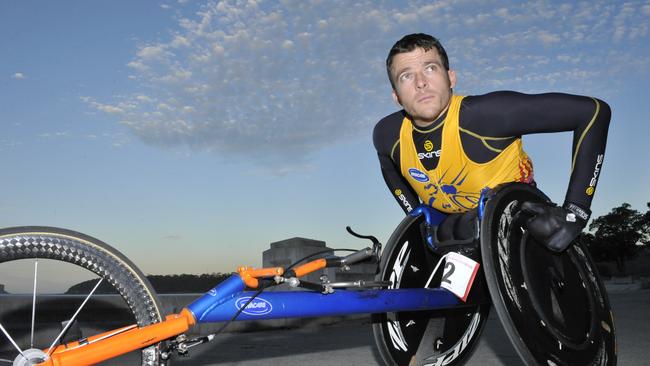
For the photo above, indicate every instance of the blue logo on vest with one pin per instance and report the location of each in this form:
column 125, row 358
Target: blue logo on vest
column 418, row 175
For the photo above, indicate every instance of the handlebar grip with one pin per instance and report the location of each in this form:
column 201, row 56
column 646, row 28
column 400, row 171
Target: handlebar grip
column 357, row 256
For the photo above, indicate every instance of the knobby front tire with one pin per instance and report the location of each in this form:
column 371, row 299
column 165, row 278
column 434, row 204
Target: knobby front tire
column 422, row 338
column 45, row 244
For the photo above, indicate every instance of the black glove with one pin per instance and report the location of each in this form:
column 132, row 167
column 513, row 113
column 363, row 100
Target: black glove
column 553, row 226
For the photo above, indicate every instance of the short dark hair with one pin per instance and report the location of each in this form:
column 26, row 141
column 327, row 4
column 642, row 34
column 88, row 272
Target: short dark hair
column 410, row 42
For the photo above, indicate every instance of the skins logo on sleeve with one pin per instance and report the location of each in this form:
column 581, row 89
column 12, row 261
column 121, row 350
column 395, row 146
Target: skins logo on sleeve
column 402, row 198
column 592, row 184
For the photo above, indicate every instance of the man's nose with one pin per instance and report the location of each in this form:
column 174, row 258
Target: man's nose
column 420, row 80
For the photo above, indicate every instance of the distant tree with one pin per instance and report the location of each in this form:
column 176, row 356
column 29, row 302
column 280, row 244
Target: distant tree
column 84, row 288
column 600, row 251
column 618, row 235
column 646, row 225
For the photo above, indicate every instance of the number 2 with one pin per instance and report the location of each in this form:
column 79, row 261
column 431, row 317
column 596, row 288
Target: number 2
column 449, row 270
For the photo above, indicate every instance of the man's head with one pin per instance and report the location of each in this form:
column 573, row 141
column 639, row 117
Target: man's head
column 418, row 70
column 409, row 43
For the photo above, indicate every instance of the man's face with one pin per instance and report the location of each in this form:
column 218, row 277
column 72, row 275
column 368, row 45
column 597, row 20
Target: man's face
column 422, row 85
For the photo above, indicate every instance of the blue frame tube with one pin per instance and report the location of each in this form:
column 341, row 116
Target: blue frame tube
column 221, row 303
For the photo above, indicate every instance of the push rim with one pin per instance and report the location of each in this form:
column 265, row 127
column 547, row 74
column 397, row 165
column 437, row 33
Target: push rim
column 553, row 306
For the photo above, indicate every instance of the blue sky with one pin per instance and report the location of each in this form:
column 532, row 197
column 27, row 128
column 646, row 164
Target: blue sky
column 190, row 135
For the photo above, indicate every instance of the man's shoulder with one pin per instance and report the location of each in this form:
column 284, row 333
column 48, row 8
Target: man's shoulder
column 391, row 119
column 386, row 131
column 493, row 106
column 491, row 97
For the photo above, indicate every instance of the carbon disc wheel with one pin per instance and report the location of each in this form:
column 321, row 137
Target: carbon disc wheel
column 440, row 337
column 553, row 306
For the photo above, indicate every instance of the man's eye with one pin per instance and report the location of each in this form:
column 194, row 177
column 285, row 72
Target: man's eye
column 431, row 67
column 405, row 77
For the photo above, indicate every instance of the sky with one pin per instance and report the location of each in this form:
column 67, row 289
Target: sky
column 191, row 134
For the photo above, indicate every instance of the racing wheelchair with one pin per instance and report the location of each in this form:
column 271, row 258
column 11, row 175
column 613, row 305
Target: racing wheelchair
column 429, row 303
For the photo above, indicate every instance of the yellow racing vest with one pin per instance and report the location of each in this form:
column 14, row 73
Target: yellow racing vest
column 455, row 184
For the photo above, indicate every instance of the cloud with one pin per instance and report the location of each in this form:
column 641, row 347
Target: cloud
column 120, row 108
column 548, row 38
column 117, row 140
column 180, row 41
column 6, row 145
column 143, row 98
column 275, row 82
column 645, row 9
column 18, row 76
column 569, row 58
column 151, row 52
column 54, row 134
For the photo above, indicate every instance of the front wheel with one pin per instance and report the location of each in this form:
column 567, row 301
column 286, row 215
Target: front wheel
column 436, row 337
column 553, row 306
column 47, row 273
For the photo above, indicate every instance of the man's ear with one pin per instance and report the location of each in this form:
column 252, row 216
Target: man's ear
column 452, row 78
column 396, row 98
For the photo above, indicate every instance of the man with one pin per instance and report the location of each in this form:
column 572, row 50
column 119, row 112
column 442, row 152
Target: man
column 443, row 149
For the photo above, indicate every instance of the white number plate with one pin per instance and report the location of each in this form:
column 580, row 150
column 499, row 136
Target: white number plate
column 459, row 274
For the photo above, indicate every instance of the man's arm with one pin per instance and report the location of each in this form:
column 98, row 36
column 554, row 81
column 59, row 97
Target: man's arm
column 399, row 188
column 385, row 137
column 514, row 114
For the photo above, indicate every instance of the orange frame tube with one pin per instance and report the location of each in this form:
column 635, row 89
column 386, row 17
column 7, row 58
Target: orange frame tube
column 250, row 275
column 125, row 340
column 72, row 354
column 310, row 267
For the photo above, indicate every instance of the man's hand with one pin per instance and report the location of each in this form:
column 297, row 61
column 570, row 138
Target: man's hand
column 555, row 227
column 428, row 212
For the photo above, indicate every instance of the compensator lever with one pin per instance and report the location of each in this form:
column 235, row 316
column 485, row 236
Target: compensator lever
column 376, row 245
column 181, row 345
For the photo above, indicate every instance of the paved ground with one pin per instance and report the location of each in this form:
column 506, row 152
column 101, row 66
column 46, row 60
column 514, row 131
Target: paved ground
column 351, row 344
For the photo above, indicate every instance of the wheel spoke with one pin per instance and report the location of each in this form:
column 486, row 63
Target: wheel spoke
column 11, row 340
column 34, row 303
column 51, row 349
column 433, row 273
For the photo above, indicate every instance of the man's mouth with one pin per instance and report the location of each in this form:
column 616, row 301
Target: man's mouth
column 425, row 98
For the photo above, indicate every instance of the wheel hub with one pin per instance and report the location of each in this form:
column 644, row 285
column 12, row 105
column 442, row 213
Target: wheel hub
column 32, row 356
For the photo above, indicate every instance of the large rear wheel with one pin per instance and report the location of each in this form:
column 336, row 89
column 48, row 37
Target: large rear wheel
column 438, row 337
column 48, row 273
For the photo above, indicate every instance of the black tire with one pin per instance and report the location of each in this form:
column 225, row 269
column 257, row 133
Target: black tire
column 140, row 302
column 440, row 337
column 553, row 306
